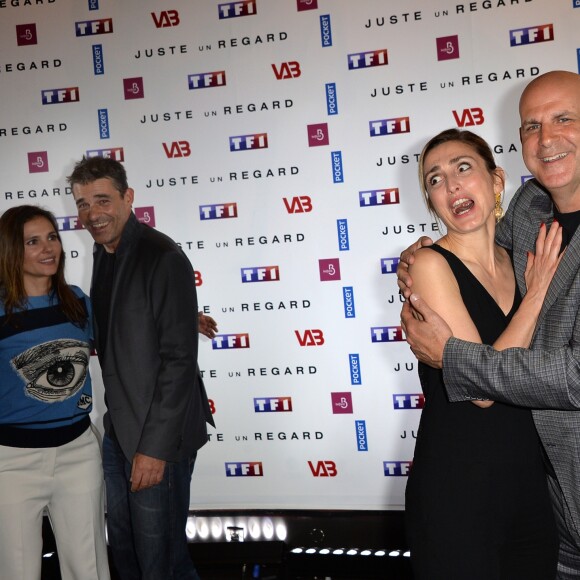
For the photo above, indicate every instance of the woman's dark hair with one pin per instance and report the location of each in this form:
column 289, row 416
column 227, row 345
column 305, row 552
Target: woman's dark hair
column 477, row 143
column 12, row 289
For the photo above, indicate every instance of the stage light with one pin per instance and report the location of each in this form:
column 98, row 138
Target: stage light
column 365, row 553
column 254, row 528
column 352, row 552
column 268, row 529
column 281, row 531
column 324, row 551
column 190, row 528
column 202, row 528
column 217, row 529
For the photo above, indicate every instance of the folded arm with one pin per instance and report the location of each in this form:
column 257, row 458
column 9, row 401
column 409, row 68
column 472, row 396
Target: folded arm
column 539, row 379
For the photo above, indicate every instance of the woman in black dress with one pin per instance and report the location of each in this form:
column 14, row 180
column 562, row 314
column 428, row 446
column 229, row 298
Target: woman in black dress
column 477, row 504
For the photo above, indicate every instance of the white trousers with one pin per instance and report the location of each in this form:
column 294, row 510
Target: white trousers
column 68, row 482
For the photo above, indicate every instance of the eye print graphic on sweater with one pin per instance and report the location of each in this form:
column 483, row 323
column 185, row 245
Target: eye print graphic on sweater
column 55, row 370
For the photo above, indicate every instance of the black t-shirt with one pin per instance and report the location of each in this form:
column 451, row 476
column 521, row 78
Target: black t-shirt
column 101, row 296
column 569, row 223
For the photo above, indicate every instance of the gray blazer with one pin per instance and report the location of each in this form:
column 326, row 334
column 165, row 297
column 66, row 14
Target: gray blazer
column 156, row 400
column 546, row 376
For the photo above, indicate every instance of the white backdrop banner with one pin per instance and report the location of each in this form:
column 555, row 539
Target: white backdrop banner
column 277, row 142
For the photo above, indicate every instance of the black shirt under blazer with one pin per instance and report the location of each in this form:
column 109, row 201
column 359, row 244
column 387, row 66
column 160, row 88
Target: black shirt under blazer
column 156, row 400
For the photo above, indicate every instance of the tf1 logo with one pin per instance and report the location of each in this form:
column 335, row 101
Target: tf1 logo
column 368, row 59
column 389, row 126
column 525, row 178
column 244, row 469
column 389, row 265
column 387, row 334
column 218, row 211
column 397, row 468
column 261, row 274
column 207, row 80
column 249, row 142
column 93, row 27
column 117, row 153
column 531, row 35
column 407, row 401
column 374, row 197
column 236, row 9
column 56, row 96
column 273, row 405
column 68, row 223
column 229, row 341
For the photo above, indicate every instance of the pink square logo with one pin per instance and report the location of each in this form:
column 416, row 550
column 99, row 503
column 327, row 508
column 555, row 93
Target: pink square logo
column 146, row 215
column 133, row 88
column 341, row 403
column 302, row 5
column 329, row 269
column 447, row 47
column 37, row 162
column 317, row 134
column 26, row 34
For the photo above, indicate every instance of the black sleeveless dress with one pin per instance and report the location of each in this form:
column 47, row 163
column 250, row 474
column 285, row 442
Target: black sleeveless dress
column 477, row 504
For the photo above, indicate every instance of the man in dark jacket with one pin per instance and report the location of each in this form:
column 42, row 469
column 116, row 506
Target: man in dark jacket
column 145, row 309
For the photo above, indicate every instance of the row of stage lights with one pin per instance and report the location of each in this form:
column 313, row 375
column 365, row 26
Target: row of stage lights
column 350, row 552
column 255, row 528
column 235, row 529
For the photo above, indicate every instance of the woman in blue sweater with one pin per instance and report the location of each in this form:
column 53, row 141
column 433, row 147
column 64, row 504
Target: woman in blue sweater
column 49, row 455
